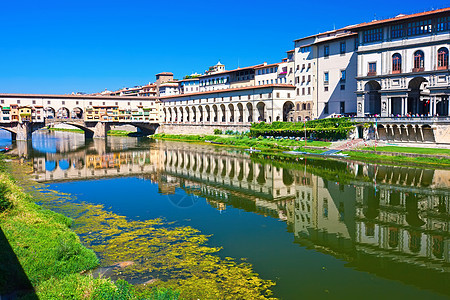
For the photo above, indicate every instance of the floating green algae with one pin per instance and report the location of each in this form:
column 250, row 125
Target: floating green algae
column 155, row 253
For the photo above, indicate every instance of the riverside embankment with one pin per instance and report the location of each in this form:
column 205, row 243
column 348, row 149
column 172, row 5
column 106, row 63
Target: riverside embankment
column 276, row 147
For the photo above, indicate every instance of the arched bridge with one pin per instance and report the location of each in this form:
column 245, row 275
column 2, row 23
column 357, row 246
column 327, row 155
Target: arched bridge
column 21, row 114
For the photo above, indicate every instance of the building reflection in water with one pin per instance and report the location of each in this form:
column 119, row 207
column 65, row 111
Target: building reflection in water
column 375, row 215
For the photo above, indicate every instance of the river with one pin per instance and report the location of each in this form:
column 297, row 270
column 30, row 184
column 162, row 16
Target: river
column 318, row 229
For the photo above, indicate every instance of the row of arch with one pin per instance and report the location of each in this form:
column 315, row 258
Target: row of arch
column 217, row 113
column 419, row 60
column 230, row 113
column 63, row 113
column 416, row 100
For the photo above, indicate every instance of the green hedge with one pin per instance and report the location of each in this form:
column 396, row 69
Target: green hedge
column 330, row 129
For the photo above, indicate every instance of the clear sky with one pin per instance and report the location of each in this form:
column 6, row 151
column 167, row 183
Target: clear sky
column 59, row 47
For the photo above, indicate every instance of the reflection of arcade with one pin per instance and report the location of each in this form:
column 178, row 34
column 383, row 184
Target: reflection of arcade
column 403, row 219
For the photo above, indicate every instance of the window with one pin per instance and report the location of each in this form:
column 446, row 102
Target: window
column 303, row 91
column 309, row 90
column 342, row 87
column 342, row 107
column 309, row 65
column 278, row 95
column 372, row 69
column 418, row 61
column 396, row 31
column 326, row 51
column 289, row 95
column 260, row 96
column 442, row 24
column 442, row 59
column 343, row 75
column 270, row 95
column 342, row 48
column 373, row 35
column 325, row 88
column 303, row 78
column 298, row 92
column 396, row 63
column 3, row 101
column 303, row 66
column 298, row 67
column 34, row 101
column 90, row 103
column 419, row 27
column 304, row 106
column 309, row 78
column 325, row 108
column 325, row 78
column 298, row 106
column 18, row 101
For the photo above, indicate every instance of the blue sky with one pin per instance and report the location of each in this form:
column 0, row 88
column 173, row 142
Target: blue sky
column 60, row 47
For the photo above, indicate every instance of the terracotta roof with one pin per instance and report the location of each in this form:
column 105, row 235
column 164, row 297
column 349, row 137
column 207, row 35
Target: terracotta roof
column 293, row 50
column 107, row 97
column 254, row 87
column 402, row 17
column 235, row 70
column 336, row 37
column 271, row 65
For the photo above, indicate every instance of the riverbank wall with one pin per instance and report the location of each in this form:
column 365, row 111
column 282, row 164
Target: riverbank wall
column 202, row 129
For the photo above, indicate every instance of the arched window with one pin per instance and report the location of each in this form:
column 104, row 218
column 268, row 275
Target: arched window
column 304, row 106
column 298, row 106
column 418, row 61
column 396, row 63
column 309, row 106
column 442, row 59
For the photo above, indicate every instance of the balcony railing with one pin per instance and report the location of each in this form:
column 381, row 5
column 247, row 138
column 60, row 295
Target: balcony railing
column 373, row 73
column 417, row 69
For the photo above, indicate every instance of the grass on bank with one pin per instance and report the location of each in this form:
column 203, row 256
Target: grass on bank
column 110, row 132
column 416, row 150
column 243, row 141
column 49, row 254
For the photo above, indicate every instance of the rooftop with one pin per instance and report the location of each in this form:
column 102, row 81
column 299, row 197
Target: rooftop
column 402, row 17
column 257, row 87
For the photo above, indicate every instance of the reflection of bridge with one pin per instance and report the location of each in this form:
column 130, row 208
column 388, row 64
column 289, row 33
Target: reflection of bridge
column 22, row 114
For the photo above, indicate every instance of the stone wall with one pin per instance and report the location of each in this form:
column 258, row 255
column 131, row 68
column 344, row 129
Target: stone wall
column 199, row 129
column 442, row 134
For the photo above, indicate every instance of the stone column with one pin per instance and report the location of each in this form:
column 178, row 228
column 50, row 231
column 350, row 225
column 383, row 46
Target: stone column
column 389, row 105
column 23, row 131
column 384, row 106
column 360, row 106
column 434, row 105
column 100, row 130
column 403, row 107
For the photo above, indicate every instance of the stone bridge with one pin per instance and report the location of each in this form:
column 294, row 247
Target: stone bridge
column 21, row 114
column 99, row 129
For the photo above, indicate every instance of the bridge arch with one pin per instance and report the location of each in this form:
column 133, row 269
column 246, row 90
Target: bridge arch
column 49, row 112
column 77, row 113
column 63, row 113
